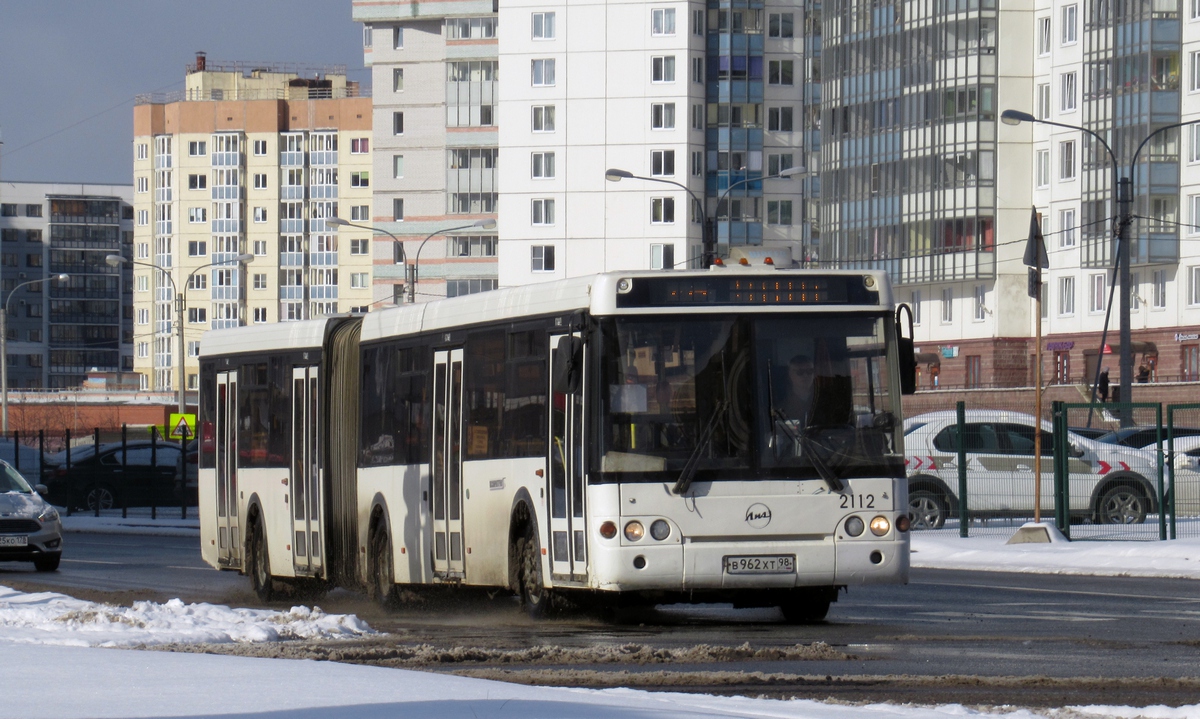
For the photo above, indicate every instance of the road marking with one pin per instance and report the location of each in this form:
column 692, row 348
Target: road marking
column 195, row 569
column 90, row 561
column 1040, row 590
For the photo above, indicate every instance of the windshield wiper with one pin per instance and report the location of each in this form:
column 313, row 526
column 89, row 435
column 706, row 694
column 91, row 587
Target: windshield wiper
column 702, row 442
column 807, row 447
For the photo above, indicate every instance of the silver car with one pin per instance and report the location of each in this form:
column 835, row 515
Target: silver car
column 1109, row 484
column 30, row 530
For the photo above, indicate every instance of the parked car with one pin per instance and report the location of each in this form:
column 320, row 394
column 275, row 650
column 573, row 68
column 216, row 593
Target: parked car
column 1109, row 484
column 30, row 530
column 146, row 475
column 1144, row 435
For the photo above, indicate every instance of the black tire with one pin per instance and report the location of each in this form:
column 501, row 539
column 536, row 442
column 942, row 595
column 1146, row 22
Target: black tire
column 1123, row 503
column 258, row 563
column 48, row 563
column 99, row 494
column 808, row 606
column 382, row 585
column 927, row 509
column 535, row 598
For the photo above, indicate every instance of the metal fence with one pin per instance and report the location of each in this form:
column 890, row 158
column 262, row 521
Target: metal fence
column 106, row 471
column 971, row 470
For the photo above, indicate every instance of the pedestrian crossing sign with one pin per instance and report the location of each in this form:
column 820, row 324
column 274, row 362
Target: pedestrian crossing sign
column 183, row 426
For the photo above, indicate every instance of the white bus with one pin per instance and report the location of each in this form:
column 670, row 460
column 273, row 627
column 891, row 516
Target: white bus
column 623, row 437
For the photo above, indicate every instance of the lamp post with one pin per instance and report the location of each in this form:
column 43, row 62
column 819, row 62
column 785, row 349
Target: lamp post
column 4, row 344
column 180, row 306
column 709, row 244
column 410, row 272
column 1122, row 189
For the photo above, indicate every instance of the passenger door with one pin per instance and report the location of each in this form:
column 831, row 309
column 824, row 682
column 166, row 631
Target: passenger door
column 306, row 484
column 229, row 548
column 566, row 496
column 446, row 471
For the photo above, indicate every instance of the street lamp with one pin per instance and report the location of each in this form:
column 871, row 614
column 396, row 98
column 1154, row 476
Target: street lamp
column 4, row 345
column 1122, row 188
column 410, row 273
column 114, row 260
column 616, row 175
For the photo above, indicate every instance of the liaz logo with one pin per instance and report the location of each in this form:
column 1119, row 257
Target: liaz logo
column 758, row 515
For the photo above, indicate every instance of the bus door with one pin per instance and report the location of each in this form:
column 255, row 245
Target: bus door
column 446, row 471
column 229, row 548
column 305, row 495
column 568, row 537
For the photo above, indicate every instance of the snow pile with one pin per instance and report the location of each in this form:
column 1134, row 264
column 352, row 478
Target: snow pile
column 48, row 618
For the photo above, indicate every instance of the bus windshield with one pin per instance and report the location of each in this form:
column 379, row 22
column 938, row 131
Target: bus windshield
column 737, row 397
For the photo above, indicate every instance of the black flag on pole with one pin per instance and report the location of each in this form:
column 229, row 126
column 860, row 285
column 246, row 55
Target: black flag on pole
column 1035, row 249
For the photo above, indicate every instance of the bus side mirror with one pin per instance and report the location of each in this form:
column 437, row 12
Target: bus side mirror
column 905, row 350
column 568, row 365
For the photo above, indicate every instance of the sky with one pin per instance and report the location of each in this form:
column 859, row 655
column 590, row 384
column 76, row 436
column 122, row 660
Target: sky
column 93, row 651
column 69, row 69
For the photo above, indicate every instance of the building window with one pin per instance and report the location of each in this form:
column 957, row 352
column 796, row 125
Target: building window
column 662, row 163
column 260, row 148
column 397, row 79
column 260, row 181
column 662, row 210
column 779, row 25
column 398, row 209
column 1070, row 25
column 1193, row 286
column 662, row 21
column 916, row 307
column 1066, row 296
column 698, row 69
column 143, row 184
column 397, row 38
column 778, row 163
column 359, row 280
column 1097, row 287
column 543, row 166
column 1069, row 88
column 662, row 257
column 1066, row 225
column 1158, row 293
column 198, row 281
column 543, row 212
column 197, row 315
column 197, row 215
column 779, row 72
column 543, row 72
column 1043, row 101
column 360, row 247
column 974, row 372
column 360, row 213
column 471, row 246
column 947, row 305
column 1042, row 168
column 543, row 26
column 260, row 214
column 459, row 288
column 197, row 248
column 697, row 117
column 360, row 179
column 543, row 118
column 779, row 119
column 662, row 116
column 1066, row 160
column 197, row 182
column 397, row 123
column 8, row 209
column 260, row 317
column 663, row 68
column 542, row 258
column 1043, row 37
column 779, row 212
column 697, row 163
column 197, row 148
column 143, row 150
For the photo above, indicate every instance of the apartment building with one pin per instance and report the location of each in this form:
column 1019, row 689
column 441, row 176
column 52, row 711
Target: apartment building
column 60, row 330
column 234, row 178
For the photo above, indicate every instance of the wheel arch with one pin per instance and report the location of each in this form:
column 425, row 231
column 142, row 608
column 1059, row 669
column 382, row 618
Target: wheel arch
column 931, row 483
column 522, row 517
column 1126, row 478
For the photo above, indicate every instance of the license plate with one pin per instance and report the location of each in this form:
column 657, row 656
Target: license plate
column 766, row 564
column 14, row 541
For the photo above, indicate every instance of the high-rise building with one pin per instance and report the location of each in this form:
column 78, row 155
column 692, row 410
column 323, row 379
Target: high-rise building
column 248, row 160
column 60, row 331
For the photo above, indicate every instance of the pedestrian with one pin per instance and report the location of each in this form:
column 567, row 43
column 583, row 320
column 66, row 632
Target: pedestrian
column 1143, row 375
column 1102, row 386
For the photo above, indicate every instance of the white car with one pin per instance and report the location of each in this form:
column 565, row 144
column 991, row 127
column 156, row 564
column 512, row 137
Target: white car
column 1109, row 483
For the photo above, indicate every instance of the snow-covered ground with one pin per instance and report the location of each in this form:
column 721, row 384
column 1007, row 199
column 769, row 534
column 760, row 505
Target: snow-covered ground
column 63, row 657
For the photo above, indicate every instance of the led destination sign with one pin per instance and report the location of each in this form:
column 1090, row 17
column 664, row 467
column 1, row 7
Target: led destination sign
column 752, row 290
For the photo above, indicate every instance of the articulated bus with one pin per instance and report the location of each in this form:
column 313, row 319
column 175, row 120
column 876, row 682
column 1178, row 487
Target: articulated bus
column 731, row 435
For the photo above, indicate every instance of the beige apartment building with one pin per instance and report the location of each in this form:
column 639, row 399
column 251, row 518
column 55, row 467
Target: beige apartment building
column 234, row 179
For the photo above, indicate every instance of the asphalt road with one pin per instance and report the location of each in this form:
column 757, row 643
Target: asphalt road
column 999, row 626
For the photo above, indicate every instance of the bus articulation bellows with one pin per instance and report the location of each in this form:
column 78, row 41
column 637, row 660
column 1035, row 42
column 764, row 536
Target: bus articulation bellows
column 722, row 436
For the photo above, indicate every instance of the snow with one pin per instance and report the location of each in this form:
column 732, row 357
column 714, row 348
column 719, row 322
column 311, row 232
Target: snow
column 77, row 647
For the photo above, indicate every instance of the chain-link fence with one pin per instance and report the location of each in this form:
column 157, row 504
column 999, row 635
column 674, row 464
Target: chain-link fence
column 107, row 471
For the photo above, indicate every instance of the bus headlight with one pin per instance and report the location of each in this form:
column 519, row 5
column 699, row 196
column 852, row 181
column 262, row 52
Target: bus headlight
column 855, row 526
column 660, row 530
column 608, row 530
column 634, row 531
column 880, row 526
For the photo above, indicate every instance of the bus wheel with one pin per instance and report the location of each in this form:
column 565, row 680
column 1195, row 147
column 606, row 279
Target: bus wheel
column 808, row 606
column 259, row 564
column 382, row 583
column 535, row 598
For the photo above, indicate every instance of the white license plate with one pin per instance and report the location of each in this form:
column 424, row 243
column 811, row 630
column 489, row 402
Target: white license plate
column 14, row 541
column 761, row 564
